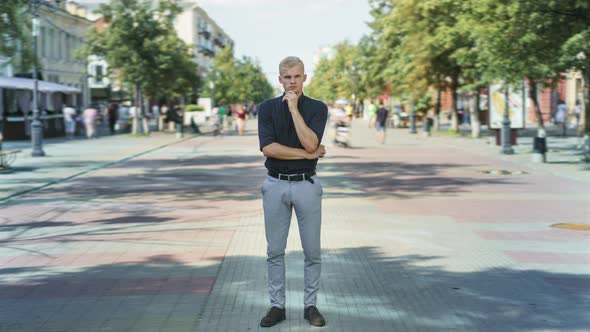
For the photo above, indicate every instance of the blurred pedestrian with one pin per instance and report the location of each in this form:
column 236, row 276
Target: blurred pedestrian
column 372, row 110
column 561, row 117
column 290, row 130
column 90, row 116
column 70, row 121
column 241, row 119
column 221, row 115
column 230, row 118
column 112, row 113
column 349, row 112
column 123, row 122
column 253, row 110
column 381, row 122
column 577, row 113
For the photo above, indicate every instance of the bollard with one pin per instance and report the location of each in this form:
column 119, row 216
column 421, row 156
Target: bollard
column 426, row 125
column 179, row 130
column 540, row 147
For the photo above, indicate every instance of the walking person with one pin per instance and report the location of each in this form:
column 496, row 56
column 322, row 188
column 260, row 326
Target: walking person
column 372, row 110
column 561, row 117
column 241, row 119
column 290, row 130
column 90, row 116
column 577, row 113
column 70, row 121
column 381, row 122
column 112, row 113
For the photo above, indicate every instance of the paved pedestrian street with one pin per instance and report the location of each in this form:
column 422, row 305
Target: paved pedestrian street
column 419, row 234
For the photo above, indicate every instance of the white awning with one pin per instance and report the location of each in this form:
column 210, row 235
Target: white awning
column 28, row 84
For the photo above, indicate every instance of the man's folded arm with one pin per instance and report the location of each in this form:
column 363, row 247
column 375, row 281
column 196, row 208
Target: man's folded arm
column 282, row 152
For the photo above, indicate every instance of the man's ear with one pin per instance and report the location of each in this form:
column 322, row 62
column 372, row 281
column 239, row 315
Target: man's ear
column 304, row 77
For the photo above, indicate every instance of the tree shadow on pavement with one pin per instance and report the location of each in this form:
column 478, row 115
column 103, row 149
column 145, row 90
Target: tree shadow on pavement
column 220, row 178
column 361, row 289
column 379, row 179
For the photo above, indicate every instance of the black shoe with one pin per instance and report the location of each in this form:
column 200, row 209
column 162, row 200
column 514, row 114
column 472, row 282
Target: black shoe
column 312, row 314
column 273, row 316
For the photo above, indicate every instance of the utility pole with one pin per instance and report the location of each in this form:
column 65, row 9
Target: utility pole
column 36, row 126
column 505, row 134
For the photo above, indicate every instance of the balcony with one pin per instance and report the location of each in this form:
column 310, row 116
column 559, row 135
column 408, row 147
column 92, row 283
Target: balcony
column 219, row 41
column 206, row 51
column 205, row 33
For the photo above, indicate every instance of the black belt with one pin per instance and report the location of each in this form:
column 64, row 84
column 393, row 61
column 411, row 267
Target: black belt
column 293, row 177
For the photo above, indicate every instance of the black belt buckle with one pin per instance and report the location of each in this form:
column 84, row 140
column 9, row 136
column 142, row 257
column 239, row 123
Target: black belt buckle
column 295, row 177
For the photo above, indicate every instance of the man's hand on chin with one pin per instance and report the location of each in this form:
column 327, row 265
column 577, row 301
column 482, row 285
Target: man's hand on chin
column 291, row 98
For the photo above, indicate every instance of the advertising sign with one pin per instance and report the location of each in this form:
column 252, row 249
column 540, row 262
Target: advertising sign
column 518, row 102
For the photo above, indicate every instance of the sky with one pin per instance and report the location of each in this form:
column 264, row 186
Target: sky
column 270, row 30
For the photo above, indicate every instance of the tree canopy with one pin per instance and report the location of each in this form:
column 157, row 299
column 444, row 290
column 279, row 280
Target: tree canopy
column 15, row 36
column 237, row 81
column 140, row 44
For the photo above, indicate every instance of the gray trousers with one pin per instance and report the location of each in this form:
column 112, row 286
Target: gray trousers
column 279, row 197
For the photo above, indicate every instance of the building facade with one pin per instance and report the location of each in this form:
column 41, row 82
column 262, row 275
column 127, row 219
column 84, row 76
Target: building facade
column 202, row 33
column 62, row 27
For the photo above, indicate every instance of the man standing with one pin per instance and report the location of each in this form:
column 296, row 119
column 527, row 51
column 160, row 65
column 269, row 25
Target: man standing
column 290, row 129
column 382, row 114
column 112, row 113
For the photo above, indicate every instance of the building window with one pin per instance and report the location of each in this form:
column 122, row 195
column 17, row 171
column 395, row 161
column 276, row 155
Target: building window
column 60, row 45
column 80, row 45
column 51, row 44
column 68, row 50
column 43, row 42
column 98, row 74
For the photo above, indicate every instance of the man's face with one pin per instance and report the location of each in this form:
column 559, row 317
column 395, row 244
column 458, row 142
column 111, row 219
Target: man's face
column 292, row 78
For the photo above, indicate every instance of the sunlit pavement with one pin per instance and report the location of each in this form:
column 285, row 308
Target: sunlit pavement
column 416, row 237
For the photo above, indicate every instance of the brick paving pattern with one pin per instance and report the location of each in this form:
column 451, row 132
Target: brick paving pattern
column 415, row 238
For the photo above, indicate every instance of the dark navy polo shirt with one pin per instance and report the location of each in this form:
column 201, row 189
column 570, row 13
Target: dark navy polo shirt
column 275, row 125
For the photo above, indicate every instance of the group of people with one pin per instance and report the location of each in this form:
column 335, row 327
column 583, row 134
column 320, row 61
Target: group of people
column 88, row 119
column 235, row 117
column 561, row 115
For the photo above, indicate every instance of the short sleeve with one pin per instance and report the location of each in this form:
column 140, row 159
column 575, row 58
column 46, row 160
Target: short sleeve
column 266, row 134
column 318, row 121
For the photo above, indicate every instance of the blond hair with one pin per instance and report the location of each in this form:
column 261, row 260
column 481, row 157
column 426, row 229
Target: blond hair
column 289, row 62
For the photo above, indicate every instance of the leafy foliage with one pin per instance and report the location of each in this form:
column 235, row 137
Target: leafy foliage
column 15, row 36
column 237, row 81
column 141, row 45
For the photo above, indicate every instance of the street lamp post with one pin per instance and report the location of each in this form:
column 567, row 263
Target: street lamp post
column 412, row 117
column 505, row 134
column 212, row 87
column 36, row 126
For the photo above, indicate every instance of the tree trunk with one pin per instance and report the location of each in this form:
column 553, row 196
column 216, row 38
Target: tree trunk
column 586, row 115
column 144, row 122
column 437, row 109
column 535, row 99
column 135, row 124
column 474, row 114
column 3, row 119
column 454, row 113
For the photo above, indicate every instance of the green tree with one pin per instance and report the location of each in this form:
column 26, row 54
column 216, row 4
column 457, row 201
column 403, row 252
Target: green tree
column 251, row 84
column 575, row 54
column 517, row 41
column 15, row 36
column 336, row 77
column 237, row 81
column 141, row 45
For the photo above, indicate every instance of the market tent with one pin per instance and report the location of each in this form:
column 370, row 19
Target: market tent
column 29, row 84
